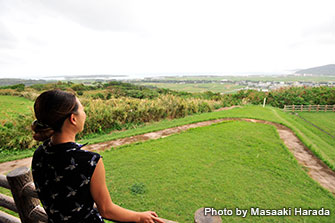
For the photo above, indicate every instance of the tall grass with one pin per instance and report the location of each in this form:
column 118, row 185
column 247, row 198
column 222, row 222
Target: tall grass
column 118, row 113
column 29, row 94
column 108, row 115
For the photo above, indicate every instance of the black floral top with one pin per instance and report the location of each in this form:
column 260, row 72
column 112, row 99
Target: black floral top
column 62, row 175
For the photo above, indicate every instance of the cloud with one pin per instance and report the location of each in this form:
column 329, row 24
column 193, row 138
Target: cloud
column 117, row 36
column 111, row 15
column 7, row 39
column 322, row 33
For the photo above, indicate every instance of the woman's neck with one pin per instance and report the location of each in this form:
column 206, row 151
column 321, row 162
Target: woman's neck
column 59, row 138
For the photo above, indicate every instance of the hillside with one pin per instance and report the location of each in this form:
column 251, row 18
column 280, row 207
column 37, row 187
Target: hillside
column 322, row 70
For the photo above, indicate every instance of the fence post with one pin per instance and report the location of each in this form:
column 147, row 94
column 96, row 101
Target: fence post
column 326, row 108
column 309, row 108
column 317, row 108
column 301, row 107
column 264, row 102
column 18, row 179
column 201, row 217
column 7, row 218
column 333, row 108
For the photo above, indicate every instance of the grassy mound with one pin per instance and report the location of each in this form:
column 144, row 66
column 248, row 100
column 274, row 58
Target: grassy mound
column 227, row 165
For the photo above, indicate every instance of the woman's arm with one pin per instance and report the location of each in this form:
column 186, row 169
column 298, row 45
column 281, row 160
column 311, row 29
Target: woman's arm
column 107, row 208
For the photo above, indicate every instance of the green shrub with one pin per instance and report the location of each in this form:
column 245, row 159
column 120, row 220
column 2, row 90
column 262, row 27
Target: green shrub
column 138, row 188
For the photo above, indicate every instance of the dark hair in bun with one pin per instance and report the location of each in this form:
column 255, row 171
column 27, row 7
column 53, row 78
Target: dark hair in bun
column 52, row 108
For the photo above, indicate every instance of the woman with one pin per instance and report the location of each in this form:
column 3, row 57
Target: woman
column 70, row 180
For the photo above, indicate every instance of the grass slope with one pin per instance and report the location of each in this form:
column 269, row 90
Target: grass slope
column 321, row 144
column 324, row 120
column 227, row 165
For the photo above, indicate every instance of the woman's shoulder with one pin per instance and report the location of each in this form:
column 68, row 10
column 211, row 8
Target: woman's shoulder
column 81, row 155
column 85, row 160
column 82, row 152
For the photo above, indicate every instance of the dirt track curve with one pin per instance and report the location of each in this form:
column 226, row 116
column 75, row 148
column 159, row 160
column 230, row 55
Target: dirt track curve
column 316, row 168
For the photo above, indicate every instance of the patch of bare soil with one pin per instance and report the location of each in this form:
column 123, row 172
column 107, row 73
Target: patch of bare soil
column 316, row 168
column 227, row 108
column 11, row 165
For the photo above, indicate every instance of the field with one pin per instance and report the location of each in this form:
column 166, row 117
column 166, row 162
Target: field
column 11, row 106
column 232, row 84
column 199, row 87
column 255, row 78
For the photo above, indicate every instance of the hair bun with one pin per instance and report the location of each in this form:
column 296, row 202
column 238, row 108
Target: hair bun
column 42, row 131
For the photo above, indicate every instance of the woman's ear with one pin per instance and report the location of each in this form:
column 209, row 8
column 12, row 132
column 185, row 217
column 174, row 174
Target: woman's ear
column 73, row 119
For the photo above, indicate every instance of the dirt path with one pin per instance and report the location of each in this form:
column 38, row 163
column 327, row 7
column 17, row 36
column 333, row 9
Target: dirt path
column 316, row 168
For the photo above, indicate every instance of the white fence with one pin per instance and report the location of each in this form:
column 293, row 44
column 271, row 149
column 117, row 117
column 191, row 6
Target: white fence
column 317, row 108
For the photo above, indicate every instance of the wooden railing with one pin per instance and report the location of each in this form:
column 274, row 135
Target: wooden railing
column 317, row 108
column 25, row 201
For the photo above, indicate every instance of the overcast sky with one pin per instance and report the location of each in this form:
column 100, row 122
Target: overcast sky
column 80, row 37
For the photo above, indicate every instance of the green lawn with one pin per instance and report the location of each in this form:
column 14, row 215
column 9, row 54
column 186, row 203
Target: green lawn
column 12, row 106
column 245, row 112
column 227, row 165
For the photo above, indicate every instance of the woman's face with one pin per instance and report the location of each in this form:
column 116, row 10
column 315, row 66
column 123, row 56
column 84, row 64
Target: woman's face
column 81, row 116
